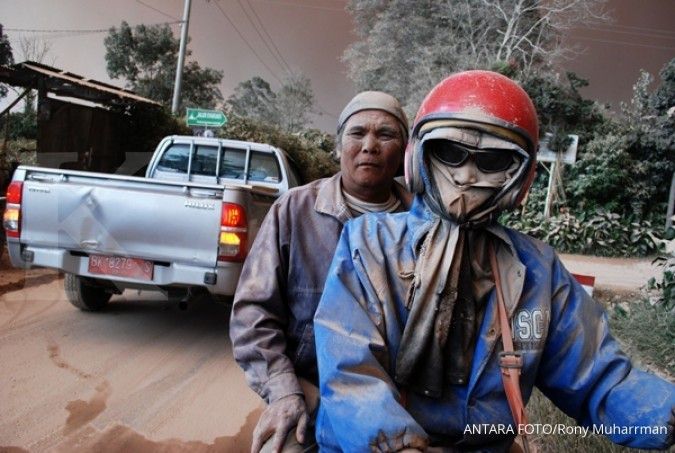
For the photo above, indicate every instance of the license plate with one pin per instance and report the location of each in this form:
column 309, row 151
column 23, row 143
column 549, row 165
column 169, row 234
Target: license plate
column 121, row 266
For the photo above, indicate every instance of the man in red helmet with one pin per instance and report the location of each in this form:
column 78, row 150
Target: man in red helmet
column 435, row 326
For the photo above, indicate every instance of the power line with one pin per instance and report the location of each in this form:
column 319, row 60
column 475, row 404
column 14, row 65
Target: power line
column 36, row 30
column 608, row 41
column 635, row 33
column 322, row 110
column 269, row 38
column 53, row 36
column 73, row 30
column 246, row 41
column 319, row 107
column 632, row 27
column 300, row 5
column 157, row 10
column 262, row 38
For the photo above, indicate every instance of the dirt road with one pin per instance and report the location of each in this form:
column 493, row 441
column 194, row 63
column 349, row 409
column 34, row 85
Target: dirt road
column 143, row 376
column 614, row 273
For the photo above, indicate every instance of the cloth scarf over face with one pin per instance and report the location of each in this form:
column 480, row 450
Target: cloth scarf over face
column 452, row 279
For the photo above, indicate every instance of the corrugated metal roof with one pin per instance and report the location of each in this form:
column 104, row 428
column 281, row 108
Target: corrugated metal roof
column 29, row 73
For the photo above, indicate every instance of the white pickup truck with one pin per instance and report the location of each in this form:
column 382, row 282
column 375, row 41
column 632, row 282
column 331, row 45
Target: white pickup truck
column 185, row 227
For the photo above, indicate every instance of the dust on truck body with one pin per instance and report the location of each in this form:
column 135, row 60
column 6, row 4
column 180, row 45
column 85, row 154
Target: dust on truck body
column 186, row 226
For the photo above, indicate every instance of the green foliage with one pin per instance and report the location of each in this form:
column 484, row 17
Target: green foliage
column 663, row 98
column 599, row 179
column 288, row 109
column 6, row 58
column 310, row 151
column 21, row 124
column 629, row 320
column 253, row 99
column 146, row 56
column 627, row 169
column 147, row 126
column 665, row 288
column 21, row 151
column 562, row 110
column 600, row 233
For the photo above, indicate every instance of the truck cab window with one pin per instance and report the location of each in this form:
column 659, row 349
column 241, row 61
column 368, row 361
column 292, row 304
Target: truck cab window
column 294, row 179
column 232, row 163
column 175, row 158
column 264, row 167
column 204, row 161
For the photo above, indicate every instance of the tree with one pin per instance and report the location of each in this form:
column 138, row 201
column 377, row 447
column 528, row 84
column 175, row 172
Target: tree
column 33, row 49
column 562, row 110
column 405, row 47
column 295, row 102
column 664, row 97
column 288, row 109
column 146, row 56
column 628, row 170
column 254, row 99
column 6, row 58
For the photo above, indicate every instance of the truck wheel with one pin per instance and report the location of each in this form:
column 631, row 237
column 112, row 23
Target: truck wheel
column 85, row 295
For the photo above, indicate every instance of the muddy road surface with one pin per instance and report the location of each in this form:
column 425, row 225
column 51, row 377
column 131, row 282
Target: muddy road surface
column 142, row 376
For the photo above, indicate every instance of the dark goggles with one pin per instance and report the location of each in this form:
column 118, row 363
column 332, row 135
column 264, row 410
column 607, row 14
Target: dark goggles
column 456, row 155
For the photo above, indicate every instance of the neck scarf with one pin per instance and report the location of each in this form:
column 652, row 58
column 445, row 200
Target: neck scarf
column 446, row 303
column 451, row 279
column 358, row 206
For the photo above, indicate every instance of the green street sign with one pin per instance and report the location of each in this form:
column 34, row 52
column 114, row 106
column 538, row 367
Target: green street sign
column 208, row 118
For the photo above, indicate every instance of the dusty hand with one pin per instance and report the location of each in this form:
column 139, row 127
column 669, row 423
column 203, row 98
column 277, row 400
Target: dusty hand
column 278, row 419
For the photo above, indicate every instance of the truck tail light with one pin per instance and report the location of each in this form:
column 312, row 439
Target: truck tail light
column 11, row 219
column 233, row 240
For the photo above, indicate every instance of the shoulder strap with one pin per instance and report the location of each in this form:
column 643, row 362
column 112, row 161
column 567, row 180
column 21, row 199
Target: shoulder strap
column 510, row 362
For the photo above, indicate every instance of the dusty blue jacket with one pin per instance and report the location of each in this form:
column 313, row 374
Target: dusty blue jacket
column 563, row 334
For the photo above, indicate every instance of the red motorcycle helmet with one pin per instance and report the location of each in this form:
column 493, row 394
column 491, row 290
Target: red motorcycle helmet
column 483, row 100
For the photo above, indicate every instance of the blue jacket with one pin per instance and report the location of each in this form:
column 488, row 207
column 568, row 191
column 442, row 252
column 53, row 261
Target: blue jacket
column 563, row 334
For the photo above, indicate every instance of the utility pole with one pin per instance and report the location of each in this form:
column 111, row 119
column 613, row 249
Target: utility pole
column 550, row 191
column 181, row 58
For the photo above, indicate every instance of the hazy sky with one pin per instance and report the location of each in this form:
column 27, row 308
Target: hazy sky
column 310, row 36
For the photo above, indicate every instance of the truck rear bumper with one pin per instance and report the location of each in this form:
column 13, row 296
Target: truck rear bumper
column 173, row 274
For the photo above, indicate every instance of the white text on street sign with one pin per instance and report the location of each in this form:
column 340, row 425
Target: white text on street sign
column 201, row 117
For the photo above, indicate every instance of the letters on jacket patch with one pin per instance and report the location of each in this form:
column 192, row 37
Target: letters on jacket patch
column 529, row 329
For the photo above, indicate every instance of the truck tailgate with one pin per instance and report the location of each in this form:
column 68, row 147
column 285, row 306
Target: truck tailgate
column 94, row 215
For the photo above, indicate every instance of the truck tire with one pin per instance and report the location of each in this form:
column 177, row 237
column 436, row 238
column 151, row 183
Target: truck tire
column 85, row 295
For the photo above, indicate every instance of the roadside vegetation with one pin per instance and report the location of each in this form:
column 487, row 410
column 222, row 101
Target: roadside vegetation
column 630, row 320
column 644, row 324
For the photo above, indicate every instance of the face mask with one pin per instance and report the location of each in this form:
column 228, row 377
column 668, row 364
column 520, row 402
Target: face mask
column 463, row 187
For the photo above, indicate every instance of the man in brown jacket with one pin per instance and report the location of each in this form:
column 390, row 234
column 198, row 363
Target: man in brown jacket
column 272, row 318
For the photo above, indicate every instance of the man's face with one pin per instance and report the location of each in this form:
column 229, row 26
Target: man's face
column 372, row 148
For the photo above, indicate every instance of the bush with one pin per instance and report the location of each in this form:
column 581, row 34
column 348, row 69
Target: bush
column 665, row 289
column 22, row 125
column 599, row 233
column 147, row 126
column 310, row 150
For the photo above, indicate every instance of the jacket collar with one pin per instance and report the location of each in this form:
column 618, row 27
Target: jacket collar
column 330, row 201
